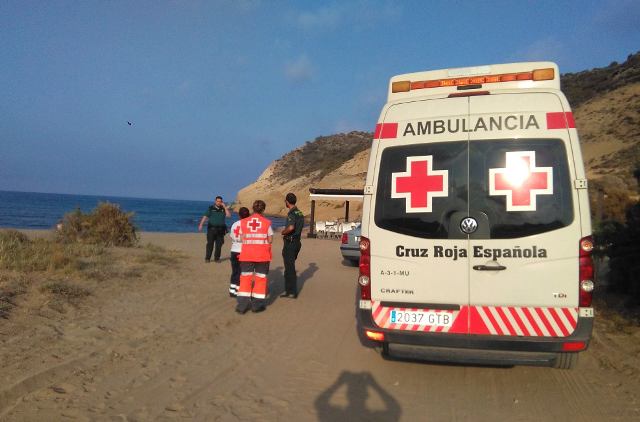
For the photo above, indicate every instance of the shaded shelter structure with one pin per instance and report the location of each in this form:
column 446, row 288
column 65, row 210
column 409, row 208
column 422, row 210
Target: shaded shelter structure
column 332, row 195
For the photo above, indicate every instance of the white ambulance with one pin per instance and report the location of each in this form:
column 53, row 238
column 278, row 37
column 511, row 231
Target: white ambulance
column 476, row 232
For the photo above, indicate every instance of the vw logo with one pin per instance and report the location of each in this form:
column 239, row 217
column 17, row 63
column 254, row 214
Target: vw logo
column 468, row 225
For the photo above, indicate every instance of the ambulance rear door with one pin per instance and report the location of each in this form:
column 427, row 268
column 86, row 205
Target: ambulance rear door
column 418, row 280
column 523, row 254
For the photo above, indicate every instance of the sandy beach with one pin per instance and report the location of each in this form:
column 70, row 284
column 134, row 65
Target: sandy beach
column 172, row 348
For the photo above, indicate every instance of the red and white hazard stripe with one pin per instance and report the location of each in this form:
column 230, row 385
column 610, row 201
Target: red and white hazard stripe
column 489, row 320
column 516, row 321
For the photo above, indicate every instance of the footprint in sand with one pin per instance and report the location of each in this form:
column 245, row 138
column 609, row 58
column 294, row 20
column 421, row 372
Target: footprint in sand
column 177, row 381
column 98, row 408
column 71, row 413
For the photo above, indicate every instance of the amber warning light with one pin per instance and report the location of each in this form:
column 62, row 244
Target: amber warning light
column 535, row 75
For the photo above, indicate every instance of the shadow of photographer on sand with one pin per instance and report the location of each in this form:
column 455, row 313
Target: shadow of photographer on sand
column 359, row 387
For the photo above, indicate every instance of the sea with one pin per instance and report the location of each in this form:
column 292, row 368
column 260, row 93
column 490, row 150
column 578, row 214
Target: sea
column 43, row 211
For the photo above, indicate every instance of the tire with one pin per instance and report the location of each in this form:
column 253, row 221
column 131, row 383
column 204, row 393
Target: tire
column 354, row 263
column 566, row 360
column 382, row 348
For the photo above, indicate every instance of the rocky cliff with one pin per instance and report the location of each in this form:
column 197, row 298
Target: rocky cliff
column 337, row 161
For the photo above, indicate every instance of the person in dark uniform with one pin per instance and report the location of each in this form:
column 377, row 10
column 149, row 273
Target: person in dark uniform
column 216, row 229
column 291, row 238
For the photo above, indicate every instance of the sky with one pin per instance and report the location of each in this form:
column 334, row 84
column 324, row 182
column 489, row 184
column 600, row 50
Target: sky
column 215, row 91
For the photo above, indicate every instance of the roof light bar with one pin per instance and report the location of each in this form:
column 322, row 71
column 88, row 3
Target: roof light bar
column 535, row 75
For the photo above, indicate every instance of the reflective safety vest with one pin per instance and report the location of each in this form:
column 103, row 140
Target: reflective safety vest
column 255, row 239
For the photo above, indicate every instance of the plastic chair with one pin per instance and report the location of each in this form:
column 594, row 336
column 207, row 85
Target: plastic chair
column 346, row 226
column 321, row 228
column 331, row 229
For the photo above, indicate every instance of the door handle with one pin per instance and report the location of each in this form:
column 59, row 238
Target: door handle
column 489, row 267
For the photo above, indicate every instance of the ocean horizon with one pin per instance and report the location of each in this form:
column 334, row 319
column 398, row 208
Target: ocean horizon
column 43, row 211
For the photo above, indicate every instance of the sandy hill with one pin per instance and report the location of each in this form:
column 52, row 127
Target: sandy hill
column 337, row 161
column 606, row 107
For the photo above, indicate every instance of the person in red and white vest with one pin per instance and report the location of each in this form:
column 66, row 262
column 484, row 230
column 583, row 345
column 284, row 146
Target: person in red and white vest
column 236, row 247
column 255, row 256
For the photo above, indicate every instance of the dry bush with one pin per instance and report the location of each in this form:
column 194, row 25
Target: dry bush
column 318, row 158
column 10, row 289
column 107, row 225
column 65, row 288
column 18, row 253
column 75, row 262
column 617, row 197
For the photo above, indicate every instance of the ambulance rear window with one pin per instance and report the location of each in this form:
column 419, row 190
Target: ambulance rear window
column 513, row 188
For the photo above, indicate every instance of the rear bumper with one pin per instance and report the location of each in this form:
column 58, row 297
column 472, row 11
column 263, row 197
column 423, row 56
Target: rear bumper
column 351, row 253
column 476, row 349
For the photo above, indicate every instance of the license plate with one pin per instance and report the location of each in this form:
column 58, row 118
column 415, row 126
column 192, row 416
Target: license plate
column 357, row 239
column 440, row 319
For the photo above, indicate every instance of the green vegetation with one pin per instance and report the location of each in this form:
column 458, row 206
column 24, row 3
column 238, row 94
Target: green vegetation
column 19, row 253
column 87, row 251
column 107, row 225
column 617, row 197
column 619, row 240
column 322, row 156
column 582, row 86
column 64, row 288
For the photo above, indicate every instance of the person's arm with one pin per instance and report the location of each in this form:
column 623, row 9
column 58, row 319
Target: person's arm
column 226, row 211
column 287, row 230
column 289, row 226
column 202, row 223
column 270, row 234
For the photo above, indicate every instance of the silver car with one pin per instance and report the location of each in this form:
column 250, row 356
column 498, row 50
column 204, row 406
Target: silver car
column 350, row 247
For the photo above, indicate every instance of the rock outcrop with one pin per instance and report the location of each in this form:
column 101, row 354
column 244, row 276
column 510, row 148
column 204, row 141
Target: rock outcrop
column 310, row 167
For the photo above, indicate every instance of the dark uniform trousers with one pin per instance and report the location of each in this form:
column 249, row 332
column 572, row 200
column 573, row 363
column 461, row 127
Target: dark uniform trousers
column 215, row 234
column 290, row 252
column 235, row 274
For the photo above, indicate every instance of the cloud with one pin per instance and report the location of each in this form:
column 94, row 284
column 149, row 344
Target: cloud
column 321, row 19
column 300, row 70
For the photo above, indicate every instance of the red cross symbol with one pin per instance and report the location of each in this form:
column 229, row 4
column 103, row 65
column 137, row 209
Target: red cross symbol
column 521, row 181
column 420, row 184
column 254, row 224
column 236, row 231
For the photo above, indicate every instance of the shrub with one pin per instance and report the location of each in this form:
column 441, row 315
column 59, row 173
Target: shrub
column 19, row 253
column 621, row 243
column 64, row 288
column 107, row 225
column 617, row 198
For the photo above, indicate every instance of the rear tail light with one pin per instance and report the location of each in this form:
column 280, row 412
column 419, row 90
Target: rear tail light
column 365, row 269
column 374, row 335
column 568, row 347
column 345, row 238
column 586, row 272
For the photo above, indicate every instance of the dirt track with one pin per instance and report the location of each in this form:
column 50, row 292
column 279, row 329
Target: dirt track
column 174, row 349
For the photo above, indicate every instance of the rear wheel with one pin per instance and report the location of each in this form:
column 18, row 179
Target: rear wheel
column 566, row 360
